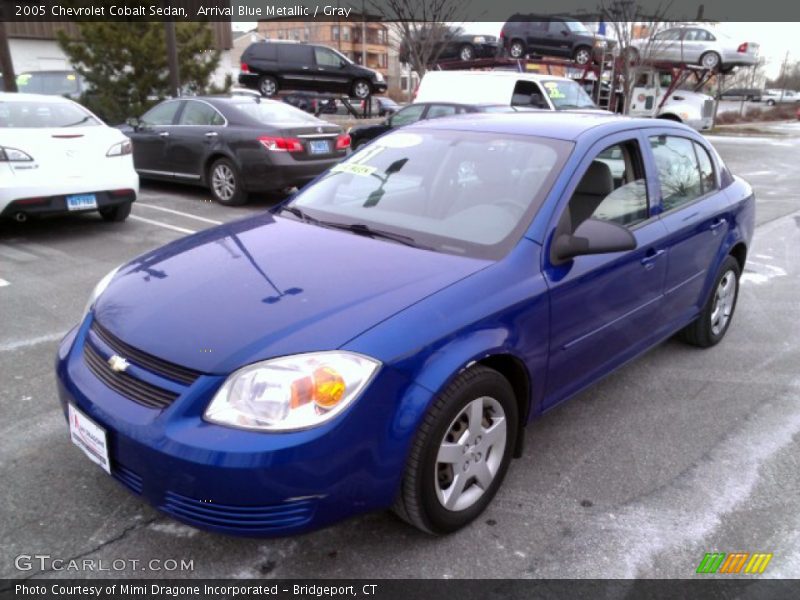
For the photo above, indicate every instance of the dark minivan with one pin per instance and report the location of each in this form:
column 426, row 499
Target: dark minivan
column 551, row 36
column 270, row 66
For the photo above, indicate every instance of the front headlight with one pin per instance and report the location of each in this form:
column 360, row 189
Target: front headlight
column 291, row 392
column 97, row 291
column 479, row 39
column 378, row 76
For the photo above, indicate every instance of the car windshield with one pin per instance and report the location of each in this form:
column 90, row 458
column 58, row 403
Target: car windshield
column 457, row 192
column 40, row 114
column 268, row 112
column 576, row 26
column 566, row 95
column 55, row 83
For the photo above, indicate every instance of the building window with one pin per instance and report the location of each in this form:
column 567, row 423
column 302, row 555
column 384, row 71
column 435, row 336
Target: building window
column 335, row 33
column 383, row 60
column 381, row 36
column 306, row 33
column 296, row 35
column 346, row 34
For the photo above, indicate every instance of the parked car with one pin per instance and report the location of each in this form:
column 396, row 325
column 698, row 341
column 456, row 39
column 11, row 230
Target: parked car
column 55, row 83
column 383, row 338
column 233, row 145
column 748, row 94
column 694, row 45
column 772, row 97
column 456, row 45
column 563, row 37
column 504, row 87
column 270, row 66
column 419, row 111
column 386, row 106
column 56, row 157
column 650, row 99
column 312, row 102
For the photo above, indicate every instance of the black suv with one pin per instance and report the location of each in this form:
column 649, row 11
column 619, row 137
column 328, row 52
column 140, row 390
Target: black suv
column 270, row 66
column 551, row 36
column 460, row 46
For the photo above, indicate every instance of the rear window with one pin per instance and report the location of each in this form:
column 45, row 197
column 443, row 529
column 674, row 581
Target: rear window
column 42, row 114
column 274, row 112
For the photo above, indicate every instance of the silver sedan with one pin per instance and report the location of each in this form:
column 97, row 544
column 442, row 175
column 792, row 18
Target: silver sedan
column 697, row 46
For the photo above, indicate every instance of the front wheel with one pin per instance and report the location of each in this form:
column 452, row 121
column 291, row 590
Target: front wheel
column 466, row 53
column 582, row 56
column 116, row 214
column 361, row 89
column 710, row 60
column 460, row 454
column 770, row 102
column 712, row 324
column 225, row 183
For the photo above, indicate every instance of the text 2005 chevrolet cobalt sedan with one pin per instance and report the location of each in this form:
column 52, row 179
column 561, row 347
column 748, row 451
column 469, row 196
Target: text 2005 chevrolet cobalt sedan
column 382, row 339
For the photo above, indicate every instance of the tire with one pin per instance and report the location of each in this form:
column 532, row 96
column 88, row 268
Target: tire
column 361, row 89
column 225, row 183
column 710, row 60
column 466, row 53
column 770, row 102
column 425, row 486
column 582, row 55
column 116, row 214
column 710, row 327
column 516, row 49
column 268, row 86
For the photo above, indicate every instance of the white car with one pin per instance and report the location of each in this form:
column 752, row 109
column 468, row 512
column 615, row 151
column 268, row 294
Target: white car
column 704, row 46
column 57, row 157
column 773, row 97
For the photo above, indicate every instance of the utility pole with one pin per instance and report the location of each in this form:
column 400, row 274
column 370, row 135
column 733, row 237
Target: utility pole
column 6, row 64
column 172, row 59
column 783, row 75
column 363, row 33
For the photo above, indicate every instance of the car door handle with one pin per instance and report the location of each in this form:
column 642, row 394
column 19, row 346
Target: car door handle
column 717, row 224
column 305, row 68
column 212, row 134
column 164, row 134
column 651, row 257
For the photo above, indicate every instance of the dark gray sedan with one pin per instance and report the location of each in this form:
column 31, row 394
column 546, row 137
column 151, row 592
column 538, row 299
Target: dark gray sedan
column 233, row 145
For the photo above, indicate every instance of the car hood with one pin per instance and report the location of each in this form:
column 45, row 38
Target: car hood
column 264, row 287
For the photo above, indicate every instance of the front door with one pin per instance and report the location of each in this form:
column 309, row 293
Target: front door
column 191, row 141
column 331, row 72
column 605, row 308
column 151, row 137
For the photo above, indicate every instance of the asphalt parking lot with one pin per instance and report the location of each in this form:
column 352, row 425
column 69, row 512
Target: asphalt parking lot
column 680, row 453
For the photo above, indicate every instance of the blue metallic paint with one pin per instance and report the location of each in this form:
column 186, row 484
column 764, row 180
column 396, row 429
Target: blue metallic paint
column 426, row 316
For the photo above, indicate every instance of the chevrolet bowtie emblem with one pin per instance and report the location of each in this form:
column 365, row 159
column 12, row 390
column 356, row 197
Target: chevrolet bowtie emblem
column 118, row 364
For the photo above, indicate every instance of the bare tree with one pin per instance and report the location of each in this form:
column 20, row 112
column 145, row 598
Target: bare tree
column 628, row 22
column 421, row 25
column 6, row 64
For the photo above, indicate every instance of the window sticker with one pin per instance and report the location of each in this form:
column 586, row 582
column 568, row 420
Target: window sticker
column 354, row 169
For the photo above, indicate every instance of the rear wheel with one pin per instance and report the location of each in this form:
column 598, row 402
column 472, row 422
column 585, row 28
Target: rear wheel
column 361, row 89
column 268, row 86
column 712, row 324
column 116, row 214
column 516, row 49
column 225, row 183
column 460, row 454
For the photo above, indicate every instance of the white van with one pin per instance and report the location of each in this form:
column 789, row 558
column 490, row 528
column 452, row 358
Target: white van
column 504, row 87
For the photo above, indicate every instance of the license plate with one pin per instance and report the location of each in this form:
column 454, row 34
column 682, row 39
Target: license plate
column 81, row 202
column 319, row 147
column 89, row 437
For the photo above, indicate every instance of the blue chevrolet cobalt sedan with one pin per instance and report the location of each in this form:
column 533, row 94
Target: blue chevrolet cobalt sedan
column 383, row 338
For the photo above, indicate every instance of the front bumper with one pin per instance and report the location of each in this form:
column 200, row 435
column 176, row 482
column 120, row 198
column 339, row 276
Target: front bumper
column 243, row 482
column 487, row 50
column 379, row 87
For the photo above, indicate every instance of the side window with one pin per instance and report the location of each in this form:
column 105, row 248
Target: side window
column 556, row 27
column 163, row 114
column 538, row 26
column 412, row 114
column 440, row 110
column 707, row 178
column 198, row 113
column 612, row 189
column 527, row 93
column 326, row 58
column 678, row 171
column 294, row 53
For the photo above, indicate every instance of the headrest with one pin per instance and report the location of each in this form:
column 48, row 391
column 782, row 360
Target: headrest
column 597, row 181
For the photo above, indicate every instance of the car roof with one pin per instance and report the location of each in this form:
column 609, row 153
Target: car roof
column 545, row 123
column 501, row 74
column 22, row 97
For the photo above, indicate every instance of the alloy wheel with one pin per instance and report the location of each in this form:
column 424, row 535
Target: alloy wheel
column 224, row 182
column 582, row 56
column 724, row 298
column 361, row 89
column 710, row 60
column 268, row 87
column 470, row 454
column 516, row 50
column 466, row 53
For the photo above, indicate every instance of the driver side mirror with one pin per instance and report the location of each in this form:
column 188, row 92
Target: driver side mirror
column 342, row 64
column 565, row 32
column 593, row 237
column 133, row 122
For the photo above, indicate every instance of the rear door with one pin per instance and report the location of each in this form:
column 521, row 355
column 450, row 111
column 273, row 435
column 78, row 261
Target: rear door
column 693, row 209
column 295, row 66
column 198, row 131
column 151, row 137
column 605, row 308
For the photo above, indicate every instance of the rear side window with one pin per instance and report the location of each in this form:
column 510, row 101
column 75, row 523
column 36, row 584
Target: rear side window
column 678, row 170
column 262, row 51
column 294, row 53
column 707, row 178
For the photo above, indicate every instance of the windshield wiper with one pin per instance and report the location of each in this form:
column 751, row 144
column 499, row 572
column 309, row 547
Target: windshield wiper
column 366, row 230
column 83, row 120
column 300, row 214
